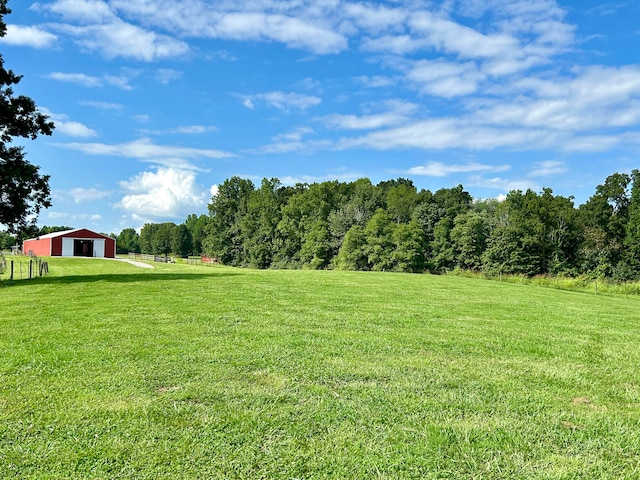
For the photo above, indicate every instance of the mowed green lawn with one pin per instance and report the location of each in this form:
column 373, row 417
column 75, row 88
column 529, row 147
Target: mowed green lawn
column 109, row 371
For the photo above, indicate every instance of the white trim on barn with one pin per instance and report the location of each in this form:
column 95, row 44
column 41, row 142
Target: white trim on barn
column 67, row 247
column 98, row 247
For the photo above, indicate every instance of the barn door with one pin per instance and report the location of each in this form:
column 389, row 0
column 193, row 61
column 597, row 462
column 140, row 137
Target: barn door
column 83, row 248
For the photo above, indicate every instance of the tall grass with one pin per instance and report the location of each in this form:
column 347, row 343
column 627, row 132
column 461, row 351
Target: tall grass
column 582, row 283
column 111, row 371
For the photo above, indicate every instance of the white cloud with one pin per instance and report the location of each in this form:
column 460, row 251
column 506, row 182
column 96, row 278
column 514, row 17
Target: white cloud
column 374, row 18
column 226, row 20
column 82, row 195
column 167, row 192
column 292, row 142
column 183, row 130
column 438, row 169
column 445, row 79
column 397, row 44
column 85, row 80
column 101, row 30
column 386, row 113
column 121, row 39
column 28, row 36
column 502, row 184
column 175, row 163
column 593, row 109
column 293, row 32
column 294, row 135
column 120, row 81
column 364, row 122
column 167, row 75
column 74, row 129
column 85, row 11
column 443, row 133
column 77, row 78
column 74, row 217
column 595, row 98
column 68, row 127
column 548, row 168
column 144, row 149
column 281, row 100
column 345, row 176
column 448, row 36
column 195, row 129
column 101, row 105
column 375, row 81
column 282, row 147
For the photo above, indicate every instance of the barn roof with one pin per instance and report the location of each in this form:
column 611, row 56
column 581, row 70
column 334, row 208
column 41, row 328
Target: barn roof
column 67, row 233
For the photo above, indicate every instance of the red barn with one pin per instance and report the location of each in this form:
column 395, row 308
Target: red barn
column 71, row 243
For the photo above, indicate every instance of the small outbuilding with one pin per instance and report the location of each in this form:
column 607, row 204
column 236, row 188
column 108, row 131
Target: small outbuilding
column 71, row 243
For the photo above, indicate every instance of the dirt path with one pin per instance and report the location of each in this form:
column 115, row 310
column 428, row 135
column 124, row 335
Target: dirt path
column 133, row 262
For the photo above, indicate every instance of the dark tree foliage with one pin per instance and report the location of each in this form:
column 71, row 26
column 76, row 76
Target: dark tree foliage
column 54, row 228
column 23, row 190
column 352, row 255
column 128, row 241
column 7, row 241
column 181, row 242
column 632, row 240
column 197, row 226
column 260, row 223
column 605, row 218
column 157, row 238
column 226, row 210
column 469, row 237
column 401, row 200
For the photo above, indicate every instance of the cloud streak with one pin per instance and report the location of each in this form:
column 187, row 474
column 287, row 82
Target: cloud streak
column 438, row 169
column 28, row 36
column 145, row 149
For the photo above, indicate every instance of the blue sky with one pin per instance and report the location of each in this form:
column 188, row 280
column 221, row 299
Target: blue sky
column 157, row 102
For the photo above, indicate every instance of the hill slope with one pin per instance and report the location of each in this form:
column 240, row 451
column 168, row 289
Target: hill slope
column 111, row 371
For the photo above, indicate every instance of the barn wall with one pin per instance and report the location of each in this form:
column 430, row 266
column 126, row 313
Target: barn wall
column 57, row 245
column 39, row 247
column 84, row 234
column 110, row 248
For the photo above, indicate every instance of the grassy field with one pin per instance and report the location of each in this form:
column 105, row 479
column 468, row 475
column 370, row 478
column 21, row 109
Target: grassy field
column 109, row 371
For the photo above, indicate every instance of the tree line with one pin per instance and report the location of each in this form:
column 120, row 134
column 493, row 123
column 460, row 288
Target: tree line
column 393, row 226
column 165, row 238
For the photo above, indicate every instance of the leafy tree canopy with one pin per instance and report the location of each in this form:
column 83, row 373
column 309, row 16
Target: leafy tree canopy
column 23, row 190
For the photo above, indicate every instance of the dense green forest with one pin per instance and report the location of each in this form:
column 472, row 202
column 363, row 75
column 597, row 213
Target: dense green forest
column 393, row 226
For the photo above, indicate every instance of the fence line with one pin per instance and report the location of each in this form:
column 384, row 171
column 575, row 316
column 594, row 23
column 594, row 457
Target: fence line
column 152, row 258
column 23, row 269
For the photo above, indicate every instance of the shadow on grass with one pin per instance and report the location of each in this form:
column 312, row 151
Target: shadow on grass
column 116, row 278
